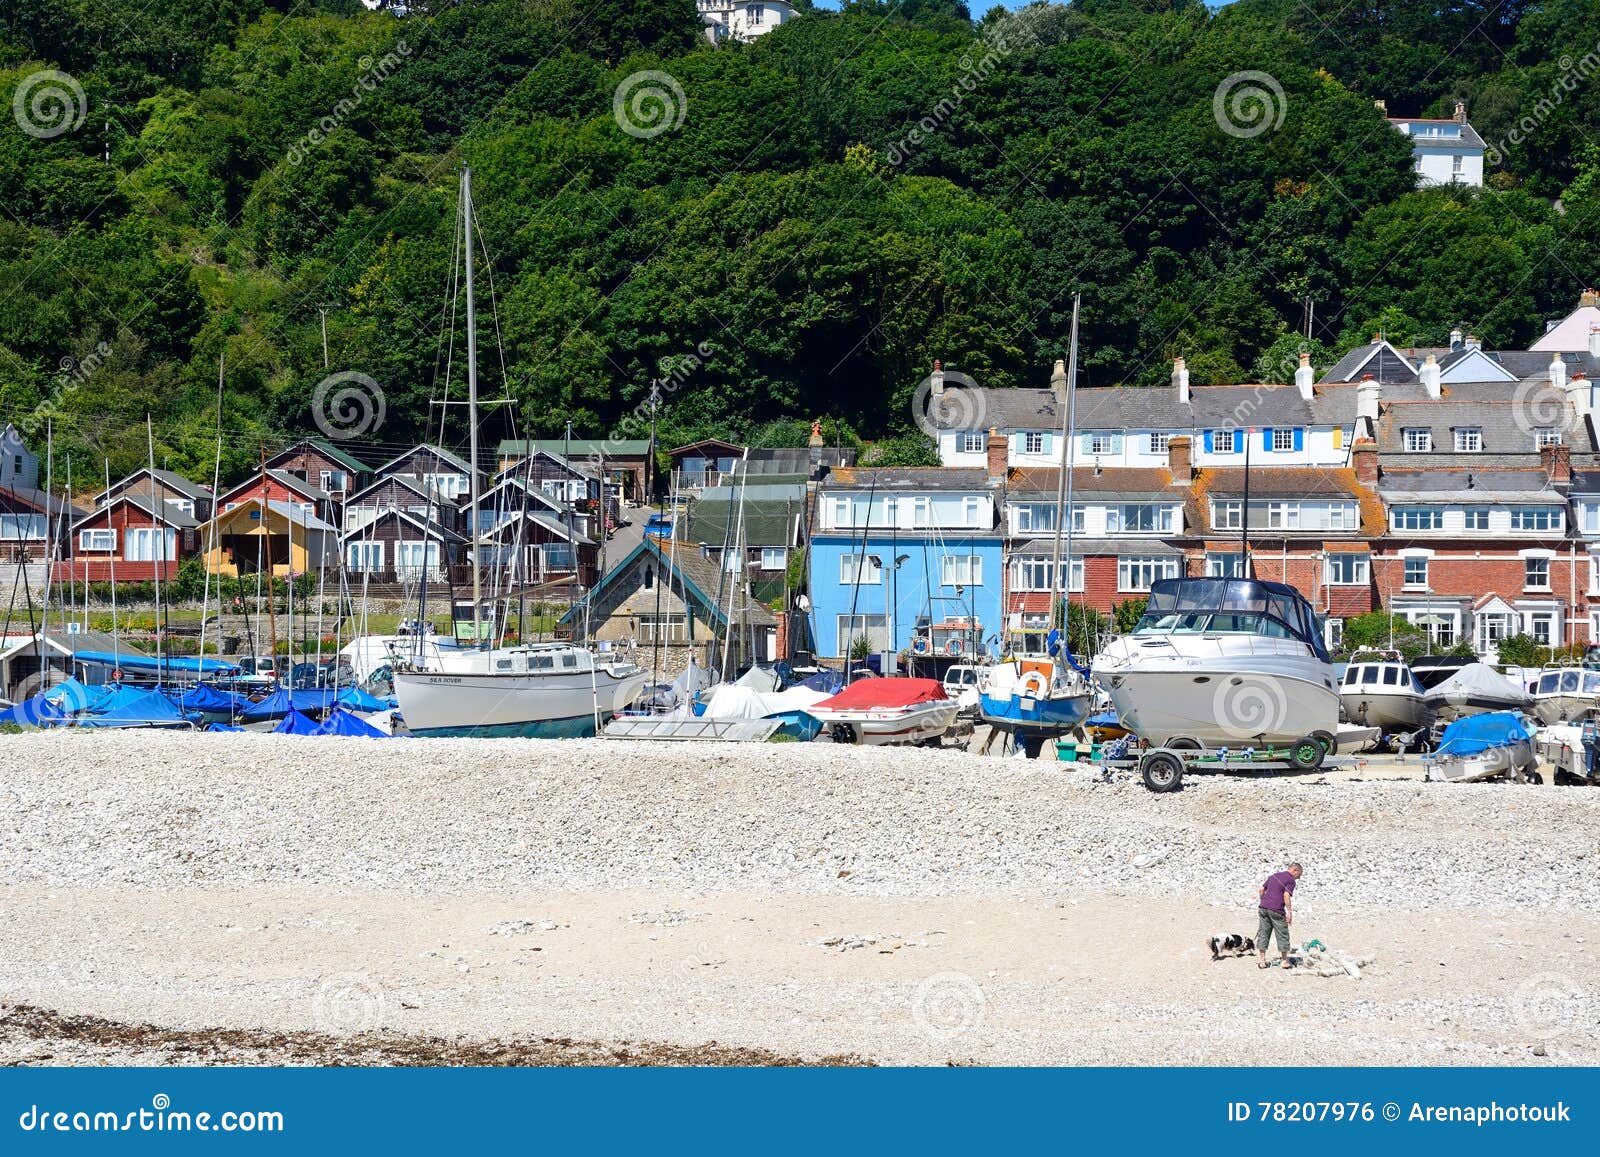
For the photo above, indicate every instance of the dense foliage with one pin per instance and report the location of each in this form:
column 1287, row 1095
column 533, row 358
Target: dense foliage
column 844, row 200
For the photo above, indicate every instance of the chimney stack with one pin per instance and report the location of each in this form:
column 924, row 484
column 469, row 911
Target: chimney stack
column 936, row 380
column 1594, row 341
column 1058, row 381
column 1580, row 394
column 1383, row 106
column 1364, row 456
column 1558, row 372
column 999, row 446
column 1588, row 297
column 1557, row 462
column 1474, row 342
column 815, row 441
column 1180, row 380
column 1368, row 395
column 1429, row 375
column 1455, row 339
column 1461, row 112
column 1180, row 459
column 1305, row 376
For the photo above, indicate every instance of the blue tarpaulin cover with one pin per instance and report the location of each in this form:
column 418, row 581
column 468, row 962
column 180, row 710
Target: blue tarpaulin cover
column 1478, row 733
column 201, row 697
column 342, row 722
column 33, row 712
column 295, row 723
column 356, row 699
column 131, row 707
column 274, row 706
column 129, row 662
column 312, row 699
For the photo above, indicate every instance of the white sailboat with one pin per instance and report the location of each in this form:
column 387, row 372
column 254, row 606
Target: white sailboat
column 546, row 690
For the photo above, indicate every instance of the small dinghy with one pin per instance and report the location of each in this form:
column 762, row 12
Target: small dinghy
column 885, row 711
column 1484, row 747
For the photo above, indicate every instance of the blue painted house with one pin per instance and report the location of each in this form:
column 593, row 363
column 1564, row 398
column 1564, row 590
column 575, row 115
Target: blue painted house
column 896, row 550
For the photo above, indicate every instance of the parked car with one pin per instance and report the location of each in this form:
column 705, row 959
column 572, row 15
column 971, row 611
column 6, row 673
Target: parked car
column 257, row 671
column 658, row 526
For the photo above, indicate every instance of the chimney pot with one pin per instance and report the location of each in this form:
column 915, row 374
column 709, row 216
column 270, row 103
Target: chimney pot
column 1058, row 380
column 1383, row 106
column 1594, row 341
column 936, row 381
column 1461, row 112
column 1474, row 342
column 1429, row 376
column 1455, row 339
column 1588, row 297
column 1180, row 380
column 1305, row 376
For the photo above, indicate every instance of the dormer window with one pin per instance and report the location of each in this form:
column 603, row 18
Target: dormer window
column 1546, row 436
column 1418, row 440
column 1469, row 439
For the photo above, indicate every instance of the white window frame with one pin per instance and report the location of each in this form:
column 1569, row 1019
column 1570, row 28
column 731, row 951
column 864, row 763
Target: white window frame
column 974, row 442
column 150, row 544
column 774, row 557
column 1102, row 442
column 1537, row 514
column 1282, row 439
column 1224, row 564
column 1475, row 518
column 1399, row 514
column 858, row 570
column 1546, row 436
column 1032, row 442
column 1469, row 439
column 1532, row 564
column 1225, row 441
column 1227, row 513
column 1159, row 442
column 1418, row 439
column 963, row 570
column 1417, row 582
column 1362, row 569
column 1136, row 573
column 97, row 539
column 361, row 557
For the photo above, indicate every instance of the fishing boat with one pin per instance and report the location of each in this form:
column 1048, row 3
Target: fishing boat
column 1565, row 694
column 1379, row 690
column 1217, row 662
column 544, row 690
column 1032, row 700
column 1473, row 690
column 892, row 710
column 1484, row 747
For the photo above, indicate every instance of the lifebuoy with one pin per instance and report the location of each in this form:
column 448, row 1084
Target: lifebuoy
column 1034, row 683
column 919, row 645
column 953, row 647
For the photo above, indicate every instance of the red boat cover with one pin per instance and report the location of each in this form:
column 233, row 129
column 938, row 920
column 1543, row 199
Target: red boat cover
column 889, row 692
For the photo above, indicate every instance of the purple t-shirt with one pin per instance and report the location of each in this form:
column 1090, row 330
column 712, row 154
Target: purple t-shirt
column 1273, row 891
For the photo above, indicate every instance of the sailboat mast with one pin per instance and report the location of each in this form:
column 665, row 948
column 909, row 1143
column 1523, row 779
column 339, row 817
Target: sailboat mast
column 472, row 404
column 1069, row 427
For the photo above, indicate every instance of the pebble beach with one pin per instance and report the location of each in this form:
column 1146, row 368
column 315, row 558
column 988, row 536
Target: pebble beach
column 178, row 898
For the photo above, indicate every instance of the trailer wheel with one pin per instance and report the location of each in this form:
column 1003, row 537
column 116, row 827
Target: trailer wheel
column 1183, row 743
column 1161, row 771
column 1532, row 777
column 1306, row 754
column 1330, row 745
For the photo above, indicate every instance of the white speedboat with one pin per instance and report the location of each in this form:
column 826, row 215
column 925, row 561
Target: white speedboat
column 1566, row 694
column 1473, row 690
column 883, row 711
column 1220, row 662
column 544, row 690
column 1484, row 747
column 1379, row 690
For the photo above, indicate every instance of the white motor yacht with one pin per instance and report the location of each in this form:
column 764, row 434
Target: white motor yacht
column 1380, row 691
column 1566, row 694
column 1220, row 663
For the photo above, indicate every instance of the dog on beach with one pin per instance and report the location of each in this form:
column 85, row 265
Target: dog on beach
column 1231, row 944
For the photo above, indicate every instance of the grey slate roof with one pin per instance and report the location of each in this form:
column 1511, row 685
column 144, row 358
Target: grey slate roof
column 1128, row 546
column 1126, row 408
column 1527, row 487
column 174, row 482
column 908, row 478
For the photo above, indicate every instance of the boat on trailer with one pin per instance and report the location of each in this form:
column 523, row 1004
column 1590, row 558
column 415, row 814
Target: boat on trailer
column 1379, row 690
column 1566, row 694
column 892, row 710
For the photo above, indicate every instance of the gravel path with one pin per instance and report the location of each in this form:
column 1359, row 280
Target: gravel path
column 161, row 884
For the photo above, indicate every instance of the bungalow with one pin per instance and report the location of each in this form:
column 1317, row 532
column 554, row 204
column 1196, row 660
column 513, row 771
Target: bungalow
column 132, row 537
column 282, row 487
column 399, row 546
column 26, row 515
column 254, row 535
column 673, row 599
column 436, row 470
column 400, row 492
column 627, row 462
column 324, row 465
column 162, row 487
column 707, row 462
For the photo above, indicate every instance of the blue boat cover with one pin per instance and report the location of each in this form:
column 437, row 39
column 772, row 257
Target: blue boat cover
column 295, row 723
column 274, row 706
column 170, row 663
column 36, row 711
column 1103, row 719
column 222, row 727
column 342, row 722
column 355, row 699
column 827, row 681
column 202, row 697
column 129, row 707
column 312, row 699
column 70, row 695
column 1478, row 733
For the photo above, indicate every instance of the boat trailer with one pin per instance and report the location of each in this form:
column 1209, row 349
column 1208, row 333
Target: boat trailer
column 1162, row 768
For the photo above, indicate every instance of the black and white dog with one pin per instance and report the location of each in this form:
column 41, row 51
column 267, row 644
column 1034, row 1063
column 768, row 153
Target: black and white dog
column 1231, row 944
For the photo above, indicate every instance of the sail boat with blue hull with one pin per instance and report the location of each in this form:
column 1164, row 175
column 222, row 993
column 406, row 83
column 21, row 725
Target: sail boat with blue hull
column 1034, row 700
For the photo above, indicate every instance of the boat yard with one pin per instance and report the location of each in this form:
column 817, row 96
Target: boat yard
column 251, row 899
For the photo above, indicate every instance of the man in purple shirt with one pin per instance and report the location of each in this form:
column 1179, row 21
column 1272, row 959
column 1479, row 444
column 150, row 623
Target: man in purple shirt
column 1276, row 908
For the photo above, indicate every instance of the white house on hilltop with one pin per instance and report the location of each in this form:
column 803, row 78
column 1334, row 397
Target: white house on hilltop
column 742, row 19
column 1446, row 152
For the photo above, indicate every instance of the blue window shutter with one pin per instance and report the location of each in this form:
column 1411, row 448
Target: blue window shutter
column 1087, row 443
column 1116, row 443
column 1049, row 443
column 1299, row 438
column 1209, row 441
column 1266, row 438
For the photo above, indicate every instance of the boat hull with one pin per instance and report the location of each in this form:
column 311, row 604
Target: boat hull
column 1388, row 710
column 1511, row 758
column 1220, row 707
column 1035, row 715
column 885, row 727
column 558, row 706
column 1562, row 707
